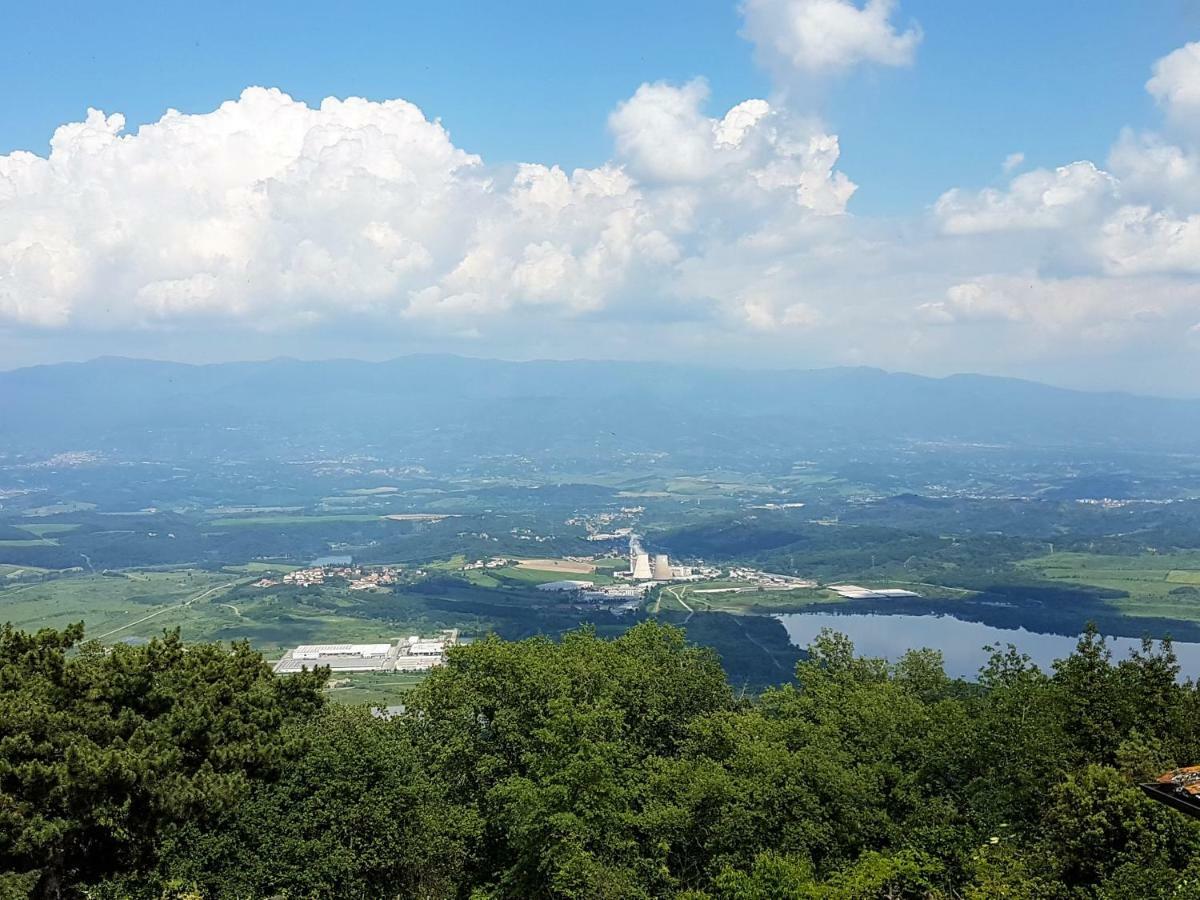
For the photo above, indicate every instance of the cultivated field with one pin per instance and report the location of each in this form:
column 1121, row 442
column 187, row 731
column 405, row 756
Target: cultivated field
column 567, row 566
column 1166, row 584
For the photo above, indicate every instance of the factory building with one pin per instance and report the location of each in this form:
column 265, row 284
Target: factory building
column 339, row 657
column 639, row 567
column 414, row 654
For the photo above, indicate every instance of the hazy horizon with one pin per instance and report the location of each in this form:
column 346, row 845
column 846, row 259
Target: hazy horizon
column 731, row 368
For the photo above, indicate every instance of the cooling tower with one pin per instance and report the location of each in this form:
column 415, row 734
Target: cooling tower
column 641, row 567
column 662, row 567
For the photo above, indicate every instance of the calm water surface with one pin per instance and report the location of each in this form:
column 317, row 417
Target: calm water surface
column 961, row 643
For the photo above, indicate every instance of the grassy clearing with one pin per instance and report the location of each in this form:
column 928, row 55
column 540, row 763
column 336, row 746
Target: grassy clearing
column 748, row 602
column 31, row 542
column 271, row 620
column 255, row 568
column 48, row 528
column 257, row 521
column 55, row 509
column 103, row 603
column 373, row 688
column 453, row 564
column 481, row 578
column 541, row 576
column 1158, row 584
column 7, row 571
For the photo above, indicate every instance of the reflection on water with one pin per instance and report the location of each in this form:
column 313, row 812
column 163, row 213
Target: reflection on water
column 961, row 643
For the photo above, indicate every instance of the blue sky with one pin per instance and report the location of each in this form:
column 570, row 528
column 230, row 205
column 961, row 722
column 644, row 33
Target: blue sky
column 523, row 81
column 784, row 182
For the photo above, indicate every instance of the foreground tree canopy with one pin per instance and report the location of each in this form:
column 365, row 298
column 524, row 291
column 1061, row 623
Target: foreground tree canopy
column 591, row 769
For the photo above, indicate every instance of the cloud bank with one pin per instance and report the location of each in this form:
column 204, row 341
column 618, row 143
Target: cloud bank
column 275, row 214
column 722, row 233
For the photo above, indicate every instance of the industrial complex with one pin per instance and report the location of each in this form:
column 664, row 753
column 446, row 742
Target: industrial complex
column 644, row 567
column 411, row 654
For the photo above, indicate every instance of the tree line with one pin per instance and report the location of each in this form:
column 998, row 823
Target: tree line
column 591, row 768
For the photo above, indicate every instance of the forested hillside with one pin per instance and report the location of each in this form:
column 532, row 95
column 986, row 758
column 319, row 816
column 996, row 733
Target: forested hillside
column 590, row 769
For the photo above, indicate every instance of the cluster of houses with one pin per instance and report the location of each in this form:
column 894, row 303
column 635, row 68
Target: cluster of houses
column 496, row 562
column 358, row 578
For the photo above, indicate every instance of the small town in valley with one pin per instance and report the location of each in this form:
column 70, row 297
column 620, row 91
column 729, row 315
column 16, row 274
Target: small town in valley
column 357, row 578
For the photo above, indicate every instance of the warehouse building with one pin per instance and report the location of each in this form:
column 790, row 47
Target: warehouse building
column 412, row 654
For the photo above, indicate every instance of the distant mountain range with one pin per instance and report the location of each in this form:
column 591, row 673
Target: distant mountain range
column 454, row 408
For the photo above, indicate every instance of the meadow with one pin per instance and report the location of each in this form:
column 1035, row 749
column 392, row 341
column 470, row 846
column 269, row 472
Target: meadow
column 119, row 606
column 371, row 687
column 1165, row 585
column 273, row 520
column 205, row 605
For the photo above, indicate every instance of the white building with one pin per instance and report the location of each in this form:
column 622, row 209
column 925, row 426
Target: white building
column 566, row 585
column 855, row 592
column 320, row 651
column 413, row 654
column 338, row 657
column 418, row 647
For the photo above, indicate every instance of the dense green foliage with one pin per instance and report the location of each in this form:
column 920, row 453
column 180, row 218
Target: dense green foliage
column 104, row 754
column 592, row 768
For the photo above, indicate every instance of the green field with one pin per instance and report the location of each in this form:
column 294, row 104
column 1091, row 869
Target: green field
column 482, row 578
column 139, row 604
column 250, row 521
column 1158, row 584
column 674, row 597
column 258, row 568
column 453, row 564
column 373, row 688
column 55, row 509
column 48, row 528
column 219, row 606
column 512, row 574
column 7, row 571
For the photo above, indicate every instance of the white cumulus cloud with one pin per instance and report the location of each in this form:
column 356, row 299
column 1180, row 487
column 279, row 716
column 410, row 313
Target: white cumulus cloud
column 820, row 36
column 271, row 213
column 1176, row 83
column 1037, row 199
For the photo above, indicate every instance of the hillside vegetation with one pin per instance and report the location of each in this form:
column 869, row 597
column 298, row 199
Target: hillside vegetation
column 590, row 768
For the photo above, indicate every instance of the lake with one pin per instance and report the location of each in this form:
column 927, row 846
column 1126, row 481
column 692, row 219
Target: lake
column 961, row 643
column 332, row 561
